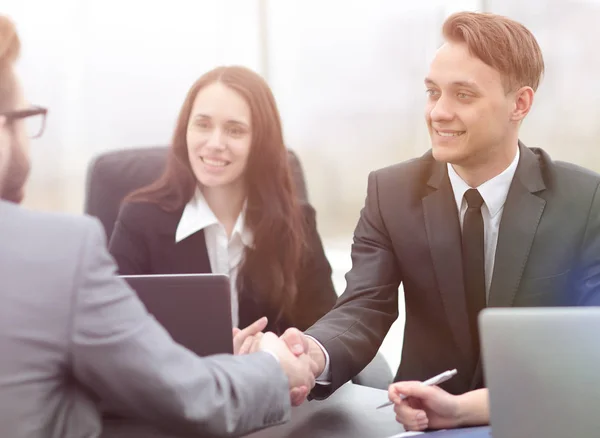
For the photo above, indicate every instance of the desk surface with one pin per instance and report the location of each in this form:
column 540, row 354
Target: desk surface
column 350, row 412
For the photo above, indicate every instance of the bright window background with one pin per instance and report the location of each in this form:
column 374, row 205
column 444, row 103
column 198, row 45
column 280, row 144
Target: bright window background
column 347, row 76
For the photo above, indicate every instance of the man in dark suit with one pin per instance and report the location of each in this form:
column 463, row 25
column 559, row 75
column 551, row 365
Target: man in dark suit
column 480, row 220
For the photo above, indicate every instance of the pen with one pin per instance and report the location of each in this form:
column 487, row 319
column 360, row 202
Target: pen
column 440, row 378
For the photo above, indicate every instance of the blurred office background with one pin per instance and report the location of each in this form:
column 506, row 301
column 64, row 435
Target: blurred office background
column 347, row 75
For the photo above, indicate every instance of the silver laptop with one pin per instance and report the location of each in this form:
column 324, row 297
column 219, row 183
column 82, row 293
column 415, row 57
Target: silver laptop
column 195, row 309
column 542, row 368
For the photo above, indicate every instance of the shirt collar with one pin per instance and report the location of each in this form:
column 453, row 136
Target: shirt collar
column 241, row 228
column 197, row 216
column 493, row 191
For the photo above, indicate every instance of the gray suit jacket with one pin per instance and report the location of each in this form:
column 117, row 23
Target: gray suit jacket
column 71, row 333
column 548, row 254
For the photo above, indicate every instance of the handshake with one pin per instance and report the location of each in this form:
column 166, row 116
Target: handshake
column 416, row 406
column 300, row 357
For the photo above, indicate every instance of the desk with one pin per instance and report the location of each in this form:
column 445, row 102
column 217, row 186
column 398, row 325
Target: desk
column 349, row 413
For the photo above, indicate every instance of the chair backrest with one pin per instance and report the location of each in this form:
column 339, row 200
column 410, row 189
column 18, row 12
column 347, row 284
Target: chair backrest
column 111, row 176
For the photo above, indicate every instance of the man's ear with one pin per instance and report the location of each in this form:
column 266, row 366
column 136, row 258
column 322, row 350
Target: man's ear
column 4, row 150
column 523, row 102
column 4, row 140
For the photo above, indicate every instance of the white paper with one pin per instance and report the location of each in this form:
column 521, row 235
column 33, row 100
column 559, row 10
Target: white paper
column 406, row 434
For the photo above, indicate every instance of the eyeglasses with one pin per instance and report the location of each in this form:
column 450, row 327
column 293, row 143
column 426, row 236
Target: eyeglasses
column 34, row 118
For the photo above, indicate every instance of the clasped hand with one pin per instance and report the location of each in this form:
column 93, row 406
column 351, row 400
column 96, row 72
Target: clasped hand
column 292, row 351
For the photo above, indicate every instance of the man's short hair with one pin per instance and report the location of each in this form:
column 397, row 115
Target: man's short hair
column 502, row 43
column 10, row 47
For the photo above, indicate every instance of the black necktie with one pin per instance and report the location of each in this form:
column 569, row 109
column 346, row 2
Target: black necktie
column 474, row 262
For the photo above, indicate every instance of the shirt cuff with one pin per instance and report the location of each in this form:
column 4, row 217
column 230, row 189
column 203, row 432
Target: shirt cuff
column 272, row 354
column 325, row 377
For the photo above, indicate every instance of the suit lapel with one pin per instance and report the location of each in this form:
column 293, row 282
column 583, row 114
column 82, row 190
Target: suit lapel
column 191, row 255
column 520, row 218
column 444, row 236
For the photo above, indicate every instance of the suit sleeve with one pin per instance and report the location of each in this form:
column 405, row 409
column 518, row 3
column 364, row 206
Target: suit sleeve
column 127, row 244
column 316, row 294
column 354, row 330
column 588, row 277
column 122, row 354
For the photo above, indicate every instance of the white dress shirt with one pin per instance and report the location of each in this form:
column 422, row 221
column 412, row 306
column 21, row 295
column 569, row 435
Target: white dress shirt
column 225, row 254
column 494, row 193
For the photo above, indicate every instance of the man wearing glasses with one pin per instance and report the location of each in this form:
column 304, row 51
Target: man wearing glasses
column 18, row 166
column 72, row 333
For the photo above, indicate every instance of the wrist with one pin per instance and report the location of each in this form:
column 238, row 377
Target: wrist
column 473, row 408
column 461, row 411
column 317, row 355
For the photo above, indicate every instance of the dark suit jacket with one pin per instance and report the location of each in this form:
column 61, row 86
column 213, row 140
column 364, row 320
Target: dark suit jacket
column 548, row 254
column 143, row 243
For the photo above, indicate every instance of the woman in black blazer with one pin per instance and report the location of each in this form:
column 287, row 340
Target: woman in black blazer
column 226, row 203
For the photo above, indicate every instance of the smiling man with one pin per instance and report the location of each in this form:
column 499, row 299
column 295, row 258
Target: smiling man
column 479, row 220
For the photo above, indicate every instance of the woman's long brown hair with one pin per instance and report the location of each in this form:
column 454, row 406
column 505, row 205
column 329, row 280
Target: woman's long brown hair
column 273, row 214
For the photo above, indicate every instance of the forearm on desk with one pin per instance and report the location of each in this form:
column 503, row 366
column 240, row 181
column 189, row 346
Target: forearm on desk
column 474, row 408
